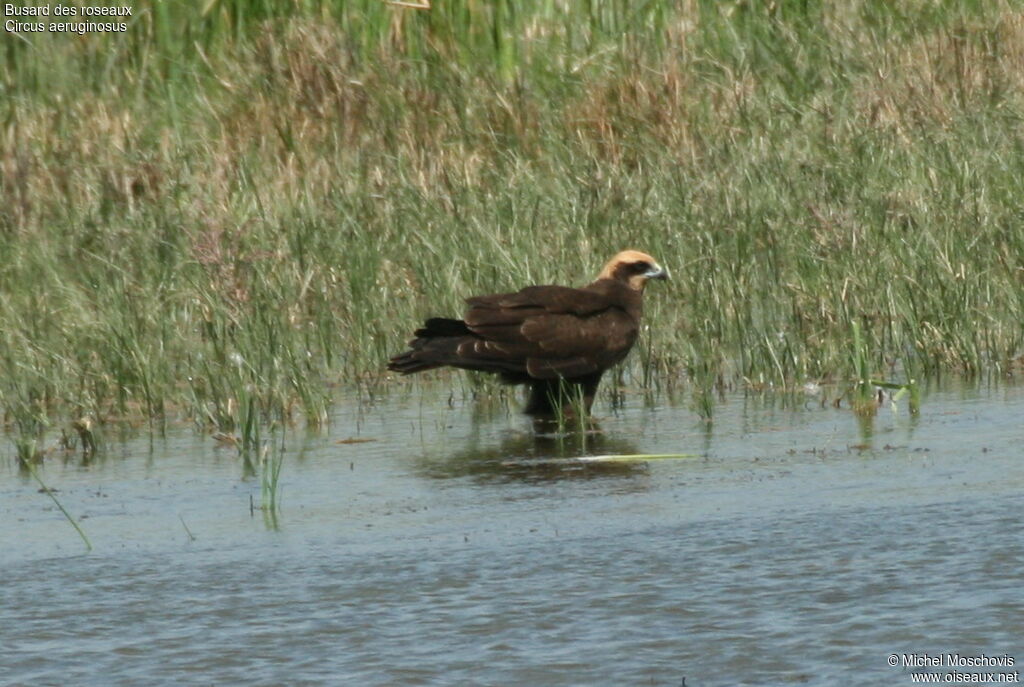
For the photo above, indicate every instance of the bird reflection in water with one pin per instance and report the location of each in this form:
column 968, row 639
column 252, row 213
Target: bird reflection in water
column 533, row 457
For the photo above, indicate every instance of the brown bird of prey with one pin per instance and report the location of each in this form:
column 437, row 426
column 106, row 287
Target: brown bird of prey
column 557, row 339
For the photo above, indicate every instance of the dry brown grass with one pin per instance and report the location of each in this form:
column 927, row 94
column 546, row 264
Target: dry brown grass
column 301, row 201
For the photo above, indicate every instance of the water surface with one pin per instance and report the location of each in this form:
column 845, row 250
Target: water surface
column 797, row 545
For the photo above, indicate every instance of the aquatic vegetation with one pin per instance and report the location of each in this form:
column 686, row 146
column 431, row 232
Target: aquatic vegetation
column 210, row 217
column 264, row 463
column 867, row 393
column 570, row 415
column 53, row 496
column 271, row 461
column 623, row 459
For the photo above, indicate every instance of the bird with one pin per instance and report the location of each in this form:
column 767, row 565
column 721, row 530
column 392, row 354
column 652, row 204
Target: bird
column 557, row 340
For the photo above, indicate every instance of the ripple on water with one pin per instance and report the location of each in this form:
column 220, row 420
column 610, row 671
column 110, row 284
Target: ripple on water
column 779, row 555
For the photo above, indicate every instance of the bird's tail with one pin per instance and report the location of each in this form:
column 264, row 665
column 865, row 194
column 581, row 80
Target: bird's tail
column 435, row 345
column 409, row 362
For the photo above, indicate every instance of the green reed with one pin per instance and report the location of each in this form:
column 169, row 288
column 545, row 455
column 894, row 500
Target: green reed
column 236, row 205
column 53, row 496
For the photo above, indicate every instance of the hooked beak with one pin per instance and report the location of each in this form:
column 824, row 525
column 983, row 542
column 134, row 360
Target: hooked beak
column 656, row 272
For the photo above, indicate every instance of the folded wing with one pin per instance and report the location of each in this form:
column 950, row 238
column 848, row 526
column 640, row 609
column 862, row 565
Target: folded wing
column 546, row 332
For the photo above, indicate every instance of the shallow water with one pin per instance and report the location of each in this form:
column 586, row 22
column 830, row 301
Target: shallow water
column 796, row 546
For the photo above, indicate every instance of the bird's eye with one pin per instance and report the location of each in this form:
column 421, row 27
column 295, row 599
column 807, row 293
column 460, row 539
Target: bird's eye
column 641, row 267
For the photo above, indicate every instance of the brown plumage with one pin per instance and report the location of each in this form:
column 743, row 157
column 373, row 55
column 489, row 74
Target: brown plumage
column 543, row 336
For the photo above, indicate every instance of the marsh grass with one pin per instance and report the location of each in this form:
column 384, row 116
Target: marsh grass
column 862, row 391
column 271, row 459
column 238, row 204
column 571, row 415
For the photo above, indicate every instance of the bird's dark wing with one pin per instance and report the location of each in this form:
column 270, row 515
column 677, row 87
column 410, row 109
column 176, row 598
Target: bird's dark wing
column 547, row 332
column 552, row 299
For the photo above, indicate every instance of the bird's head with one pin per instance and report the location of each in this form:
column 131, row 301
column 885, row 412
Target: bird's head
column 634, row 268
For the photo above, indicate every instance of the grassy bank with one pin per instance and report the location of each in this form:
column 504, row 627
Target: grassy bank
column 221, row 212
